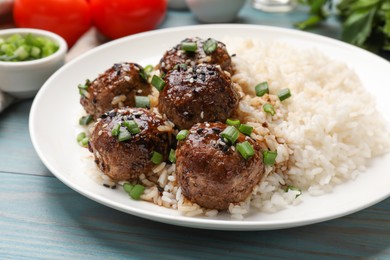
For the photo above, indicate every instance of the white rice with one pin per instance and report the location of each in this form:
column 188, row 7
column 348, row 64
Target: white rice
column 324, row 134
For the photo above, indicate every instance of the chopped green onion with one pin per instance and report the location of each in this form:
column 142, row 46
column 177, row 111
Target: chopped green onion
column 82, row 139
column 245, row 149
column 145, row 72
column 21, row 52
column 35, row 52
column 158, row 82
column 268, row 108
column 142, row 101
column 269, row 157
column 172, row 156
column 284, row 94
column 135, row 131
column 137, row 191
column 245, row 129
column 81, row 136
column 261, row 89
column 293, row 188
column 156, row 157
column 123, row 135
column 189, row 46
column 27, row 47
column 128, row 187
column 148, row 69
column 115, row 129
column 230, row 133
column 132, row 126
column 210, row 46
column 182, row 135
column 84, row 142
column 83, row 90
column 233, row 122
column 85, row 120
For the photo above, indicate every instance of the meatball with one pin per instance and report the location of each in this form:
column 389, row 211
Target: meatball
column 207, row 51
column 124, row 160
column 211, row 172
column 197, row 94
column 115, row 88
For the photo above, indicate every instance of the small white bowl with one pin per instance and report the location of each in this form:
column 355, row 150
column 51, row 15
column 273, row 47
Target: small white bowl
column 215, row 11
column 23, row 79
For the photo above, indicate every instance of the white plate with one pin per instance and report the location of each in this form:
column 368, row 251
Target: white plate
column 56, row 109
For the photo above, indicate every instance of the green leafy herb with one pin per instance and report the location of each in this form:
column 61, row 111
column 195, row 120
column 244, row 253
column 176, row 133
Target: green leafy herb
column 366, row 23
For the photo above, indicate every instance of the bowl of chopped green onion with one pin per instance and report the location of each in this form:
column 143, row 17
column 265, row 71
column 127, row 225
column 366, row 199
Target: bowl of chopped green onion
column 28, row 57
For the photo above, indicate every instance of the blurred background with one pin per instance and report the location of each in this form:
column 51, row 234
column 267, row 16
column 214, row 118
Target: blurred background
column 359, row 22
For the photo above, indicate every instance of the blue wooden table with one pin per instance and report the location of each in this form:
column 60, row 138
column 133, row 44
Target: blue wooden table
column 41, row 218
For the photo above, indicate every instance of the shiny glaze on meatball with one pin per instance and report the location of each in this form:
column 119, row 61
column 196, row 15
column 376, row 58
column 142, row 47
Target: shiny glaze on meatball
column 177, row 55
column 115, row 88
column 211, row 172
column 197, row 94
column 127, row 160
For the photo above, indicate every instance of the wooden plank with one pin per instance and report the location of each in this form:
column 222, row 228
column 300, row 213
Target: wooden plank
column 16, row 150
column 42, row 218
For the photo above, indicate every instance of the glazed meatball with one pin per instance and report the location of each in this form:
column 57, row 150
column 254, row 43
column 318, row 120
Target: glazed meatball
column 122, row 158
column 115, row 88
column 197, row 94
column 211, row 172
column 207, row 51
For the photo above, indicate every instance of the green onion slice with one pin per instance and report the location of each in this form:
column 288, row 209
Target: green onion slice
column 85, row 120
column 82, row 139
column 142, row 101
column 261, row 89
column 123, row 135
column 189, row 46
column 132, row 127
column 182, row 135
column 172, row 156
column 143, row 74
column 230, row 133
column 233, row 122
column 284, row 94
column 245, row 149
column 148, row 69
column 156, row 157
column 269, row 157
column 268, row 108
column 210, row 46
column 245, row 129
column 81, row 136
column 115, row 129
column 84, row 142
column 137, row 191
column 128, row 187
column 130, row 124
column 158, row 82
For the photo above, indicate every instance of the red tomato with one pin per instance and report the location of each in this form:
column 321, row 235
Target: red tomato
column 68, row 18
column 119, row 18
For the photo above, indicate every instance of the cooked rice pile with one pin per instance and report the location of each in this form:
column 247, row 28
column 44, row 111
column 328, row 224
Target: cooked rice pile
column 324, row 134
